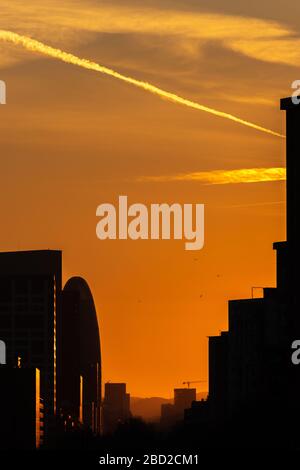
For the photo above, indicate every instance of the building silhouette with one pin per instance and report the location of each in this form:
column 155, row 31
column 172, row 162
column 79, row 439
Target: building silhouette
column 168, row 416
column 80, row 385
column 183, row 398
column 116, row 406
column 21, row 409
column 172, row 413
column 218, row 374
column 30, row 286
column 54, row 331
column 250, row 367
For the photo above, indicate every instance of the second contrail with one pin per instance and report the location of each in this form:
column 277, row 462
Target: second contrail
column 37, row 46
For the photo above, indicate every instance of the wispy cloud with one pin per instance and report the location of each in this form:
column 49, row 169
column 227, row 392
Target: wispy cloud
column 59, row 21
column 245, row 175
column 274, row 50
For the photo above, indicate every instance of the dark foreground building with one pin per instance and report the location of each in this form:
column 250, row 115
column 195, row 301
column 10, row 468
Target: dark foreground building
column 80, row 386
column 250, row 367
column 54, row 331
column 30, row 286
column 21, row 409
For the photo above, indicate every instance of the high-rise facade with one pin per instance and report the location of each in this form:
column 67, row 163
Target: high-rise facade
column 54, row 331
column 257, row 374
column 79, row 390
column 30, row 286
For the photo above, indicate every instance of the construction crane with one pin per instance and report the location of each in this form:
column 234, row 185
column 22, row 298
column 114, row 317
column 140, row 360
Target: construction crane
column 189, row 382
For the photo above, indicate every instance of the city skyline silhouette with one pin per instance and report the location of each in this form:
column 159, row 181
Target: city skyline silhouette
column 74, row 139
column 55, row 330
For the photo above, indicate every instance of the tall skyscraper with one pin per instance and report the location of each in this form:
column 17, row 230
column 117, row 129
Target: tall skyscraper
column 257, row 374
column 79, row 388
column 30, row 287
column 56, row 332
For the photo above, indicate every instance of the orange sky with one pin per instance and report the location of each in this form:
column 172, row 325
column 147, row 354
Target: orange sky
column 71, row 140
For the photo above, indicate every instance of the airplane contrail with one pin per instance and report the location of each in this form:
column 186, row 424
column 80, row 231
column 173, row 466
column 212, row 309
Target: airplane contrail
column 37, row 46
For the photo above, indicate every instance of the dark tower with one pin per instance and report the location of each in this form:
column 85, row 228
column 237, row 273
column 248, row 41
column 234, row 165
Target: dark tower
column 293, row 170
column 30, row 290
column 292, row 257
column 79, row 390
column 289, row 252
column 262, row 379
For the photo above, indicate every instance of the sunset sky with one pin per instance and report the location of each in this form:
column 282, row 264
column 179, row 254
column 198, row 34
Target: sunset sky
column 72, row 139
